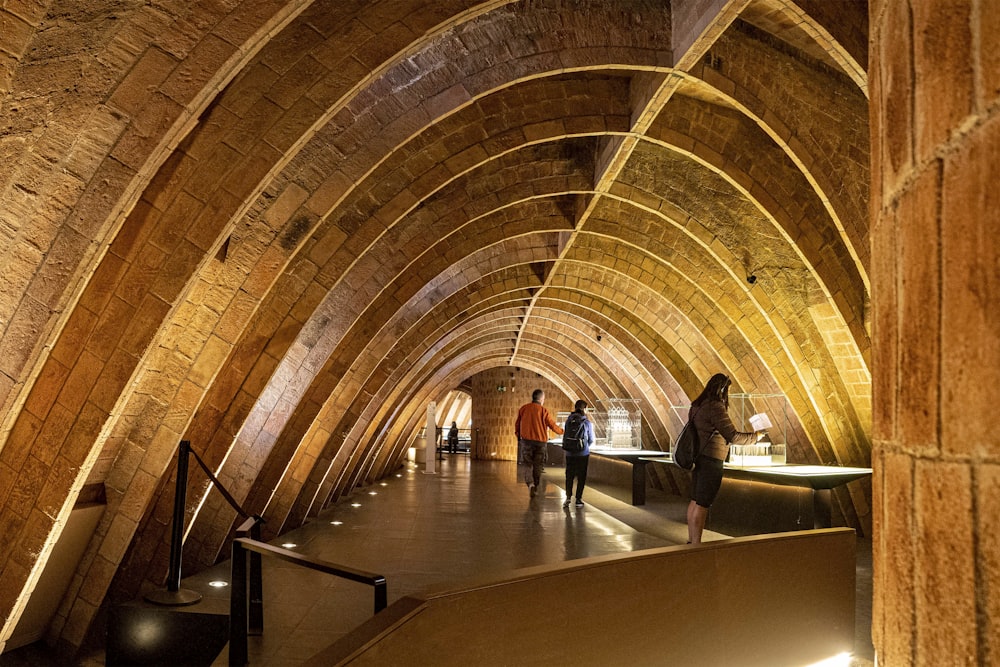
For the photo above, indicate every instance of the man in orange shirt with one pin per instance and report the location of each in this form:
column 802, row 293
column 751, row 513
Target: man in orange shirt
column 532, row 429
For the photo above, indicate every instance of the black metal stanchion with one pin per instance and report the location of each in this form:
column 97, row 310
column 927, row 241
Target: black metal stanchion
column 176, row 596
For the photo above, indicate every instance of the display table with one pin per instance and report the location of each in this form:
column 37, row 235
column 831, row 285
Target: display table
column 622, row 472
column 819, row 479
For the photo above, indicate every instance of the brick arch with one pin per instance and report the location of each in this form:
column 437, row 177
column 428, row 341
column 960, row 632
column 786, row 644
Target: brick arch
column 190, row 252
column 843, row 35
column 99, row 144
column 420, row 336
column 704, row 290
column 269, row 228
column 418, row 382
column 370, row 443
column 762, row 173
column 814, row 148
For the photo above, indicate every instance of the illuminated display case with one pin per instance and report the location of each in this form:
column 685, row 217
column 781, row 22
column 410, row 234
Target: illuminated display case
column 742, row 407
column 617, row 423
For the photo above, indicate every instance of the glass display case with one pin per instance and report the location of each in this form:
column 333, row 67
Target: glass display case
column 753, row 412
column 617, row 423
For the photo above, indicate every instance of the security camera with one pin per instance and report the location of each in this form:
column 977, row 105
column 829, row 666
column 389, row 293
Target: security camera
column 751, row 279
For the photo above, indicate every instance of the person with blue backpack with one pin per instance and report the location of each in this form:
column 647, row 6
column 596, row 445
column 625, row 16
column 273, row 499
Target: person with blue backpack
column 578, row 436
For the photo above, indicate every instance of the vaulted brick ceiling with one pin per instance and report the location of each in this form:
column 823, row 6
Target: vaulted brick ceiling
column 279, row 230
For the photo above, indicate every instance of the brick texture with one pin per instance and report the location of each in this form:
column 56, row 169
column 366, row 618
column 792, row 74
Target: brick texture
column 279, row 229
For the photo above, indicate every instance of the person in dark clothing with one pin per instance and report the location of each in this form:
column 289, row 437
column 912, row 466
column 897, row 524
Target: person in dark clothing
column 577, row 462
column 710, row 413
column 453, row 438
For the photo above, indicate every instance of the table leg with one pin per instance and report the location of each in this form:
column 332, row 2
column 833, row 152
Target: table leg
column 822, row 513
column 639, row 483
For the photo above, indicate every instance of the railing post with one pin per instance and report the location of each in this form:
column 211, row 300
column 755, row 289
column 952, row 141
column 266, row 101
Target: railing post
column 256, row 613
column 238, row 652
column 174, row 595
column 381, row 595
column 177, row 526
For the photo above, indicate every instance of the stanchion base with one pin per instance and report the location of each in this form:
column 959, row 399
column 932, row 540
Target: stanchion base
column 178, row 598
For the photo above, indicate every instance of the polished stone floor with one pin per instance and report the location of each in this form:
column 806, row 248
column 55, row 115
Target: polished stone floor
column 468, row 520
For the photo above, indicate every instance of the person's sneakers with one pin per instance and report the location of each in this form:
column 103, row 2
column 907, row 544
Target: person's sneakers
column 579, row 503
column 566, row 502
column 532, row 489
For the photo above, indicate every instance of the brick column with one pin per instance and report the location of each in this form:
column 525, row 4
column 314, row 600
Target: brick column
column 494, row 412
column 935, row 77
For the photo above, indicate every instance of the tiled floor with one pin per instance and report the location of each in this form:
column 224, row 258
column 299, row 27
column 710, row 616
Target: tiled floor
column 469, row 520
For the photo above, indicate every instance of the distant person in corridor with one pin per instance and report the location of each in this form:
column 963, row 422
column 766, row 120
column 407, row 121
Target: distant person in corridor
column 577, row 462
column 453, row 438
column 532, row 429
column 710, row 413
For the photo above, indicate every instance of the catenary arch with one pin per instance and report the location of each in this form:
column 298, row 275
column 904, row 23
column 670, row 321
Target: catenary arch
column 766, row 309
column 561, row 356
column 780, row 114
column 195, row 388
column 383, row 401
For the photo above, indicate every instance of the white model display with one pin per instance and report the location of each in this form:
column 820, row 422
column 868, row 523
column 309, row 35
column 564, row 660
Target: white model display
column 617, row 423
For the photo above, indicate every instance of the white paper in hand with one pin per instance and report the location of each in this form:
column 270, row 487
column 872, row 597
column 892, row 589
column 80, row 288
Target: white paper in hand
column 760, row 422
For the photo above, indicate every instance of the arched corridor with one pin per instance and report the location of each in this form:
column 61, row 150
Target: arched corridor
column 279, row 230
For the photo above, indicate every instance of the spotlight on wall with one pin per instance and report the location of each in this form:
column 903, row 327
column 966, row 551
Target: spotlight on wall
column 751, row 279
column 599, row 338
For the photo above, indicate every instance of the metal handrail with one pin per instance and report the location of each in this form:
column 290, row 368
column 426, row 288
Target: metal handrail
column 245, row 601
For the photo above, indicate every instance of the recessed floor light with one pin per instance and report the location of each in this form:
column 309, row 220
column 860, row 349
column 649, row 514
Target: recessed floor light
column 355, row 504
column 218, row 584
column 289, row 545
column 383, row 484
column 336, row 523
column 373, row 493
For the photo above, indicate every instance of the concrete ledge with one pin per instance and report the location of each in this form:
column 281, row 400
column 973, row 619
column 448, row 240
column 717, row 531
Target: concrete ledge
column 784, row 599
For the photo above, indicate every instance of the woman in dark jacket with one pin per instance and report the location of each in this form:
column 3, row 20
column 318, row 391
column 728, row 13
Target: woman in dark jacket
column 710, row 412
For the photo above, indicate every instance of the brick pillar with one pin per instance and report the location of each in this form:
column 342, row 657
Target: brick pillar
column 935, row 78
column 494, row 412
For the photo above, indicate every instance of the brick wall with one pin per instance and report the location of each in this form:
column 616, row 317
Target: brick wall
column 494, row 412
column 936, row 285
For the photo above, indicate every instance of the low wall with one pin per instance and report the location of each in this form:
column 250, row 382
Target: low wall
column 784, row 599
